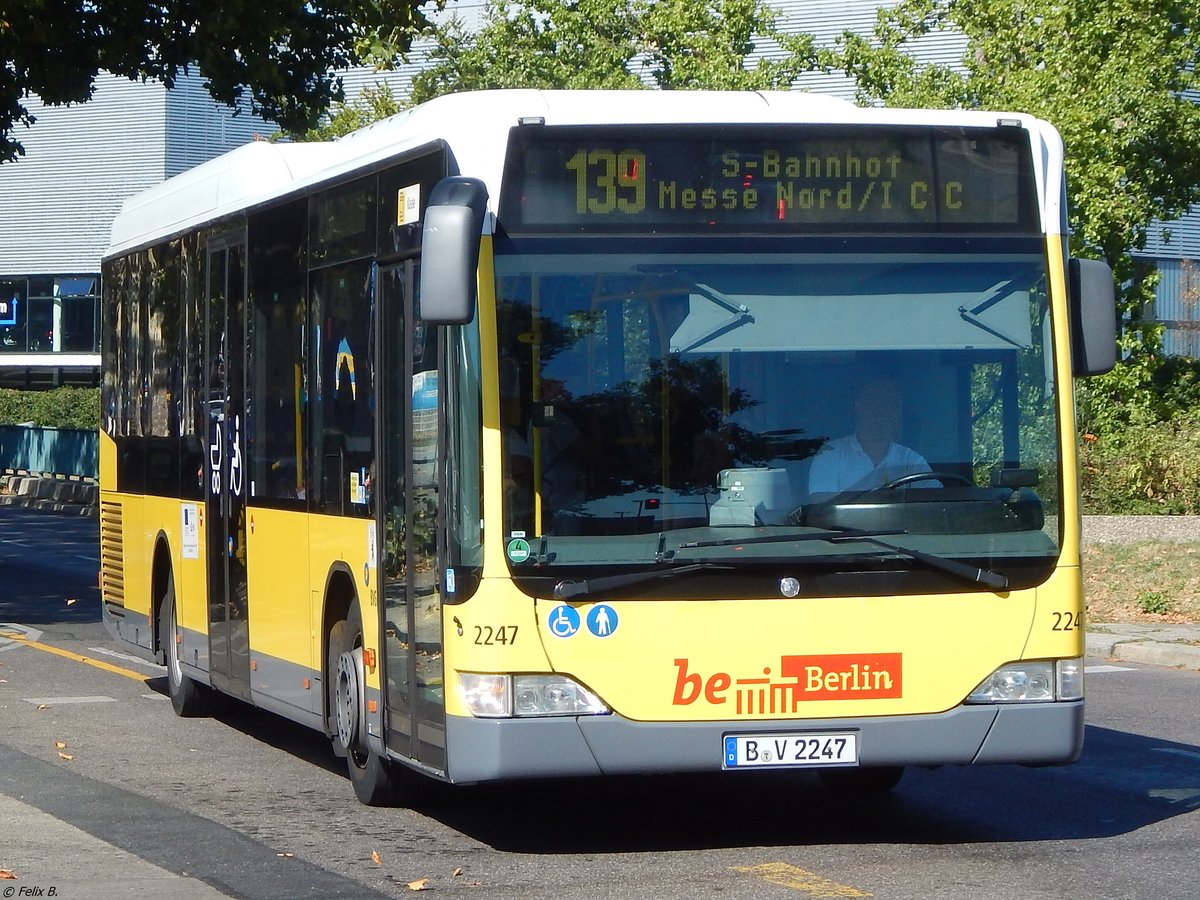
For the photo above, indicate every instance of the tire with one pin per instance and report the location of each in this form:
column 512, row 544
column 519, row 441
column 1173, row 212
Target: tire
column 376, row 781
column 189, row 698
column 871, row 780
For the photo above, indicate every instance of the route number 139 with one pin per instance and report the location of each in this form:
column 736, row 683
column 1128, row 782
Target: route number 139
column 606, row 181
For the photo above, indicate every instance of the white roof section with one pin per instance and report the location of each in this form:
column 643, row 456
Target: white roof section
column 214, row 189
column 475, row 126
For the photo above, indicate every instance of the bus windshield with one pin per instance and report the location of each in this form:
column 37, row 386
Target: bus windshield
column 662, row 403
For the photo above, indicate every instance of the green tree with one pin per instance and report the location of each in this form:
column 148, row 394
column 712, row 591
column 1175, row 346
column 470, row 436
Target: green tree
column 375, row 102
column 282, row 54
column 616, row 44
column 1112, row 77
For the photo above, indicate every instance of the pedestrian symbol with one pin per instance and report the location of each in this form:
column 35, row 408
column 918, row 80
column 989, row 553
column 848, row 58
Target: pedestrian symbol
column 564, row 621
column 602, row 620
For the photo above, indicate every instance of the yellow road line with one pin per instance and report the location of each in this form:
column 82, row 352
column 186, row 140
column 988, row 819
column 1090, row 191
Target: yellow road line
column 798, row 879
column 58, row 651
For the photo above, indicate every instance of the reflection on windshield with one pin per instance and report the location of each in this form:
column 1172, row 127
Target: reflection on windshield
column 650, row 393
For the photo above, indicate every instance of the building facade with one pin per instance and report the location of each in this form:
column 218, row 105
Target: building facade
column 58, row 201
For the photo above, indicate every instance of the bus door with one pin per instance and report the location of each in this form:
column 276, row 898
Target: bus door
column 407, row 516
column 225, row 483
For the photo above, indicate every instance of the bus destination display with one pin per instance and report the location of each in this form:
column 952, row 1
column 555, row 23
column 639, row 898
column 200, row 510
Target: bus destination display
column 805, row 178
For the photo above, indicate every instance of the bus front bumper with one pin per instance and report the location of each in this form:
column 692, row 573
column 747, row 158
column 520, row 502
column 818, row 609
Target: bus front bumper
column 510, row 749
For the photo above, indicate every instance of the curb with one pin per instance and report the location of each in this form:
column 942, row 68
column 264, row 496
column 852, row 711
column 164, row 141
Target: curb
column 72, row 495
column 1142, row 649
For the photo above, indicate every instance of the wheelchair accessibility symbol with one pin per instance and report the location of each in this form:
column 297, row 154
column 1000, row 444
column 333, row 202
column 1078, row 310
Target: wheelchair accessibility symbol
column 564, row 621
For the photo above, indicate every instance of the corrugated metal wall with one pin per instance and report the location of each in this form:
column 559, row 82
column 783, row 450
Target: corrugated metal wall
column 58, row 201
column 1177, row 305
column 1179, row 239
column 197, row 128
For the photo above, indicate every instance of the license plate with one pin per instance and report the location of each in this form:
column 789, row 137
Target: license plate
column 743, row 751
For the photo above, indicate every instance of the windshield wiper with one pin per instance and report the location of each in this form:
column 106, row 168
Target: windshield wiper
column 739, row 315
column 831, row 536
column 990, row 298
column 565, row 590
column 986, row 577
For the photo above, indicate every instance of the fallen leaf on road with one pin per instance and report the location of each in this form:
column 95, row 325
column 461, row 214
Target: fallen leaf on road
column 62, row 755
column 71, row 601
column 286, row 855
column 457, row 871
column 43, row 706
column 376, row 858
column 8, row 875
column 421, row 884
column 61, row 745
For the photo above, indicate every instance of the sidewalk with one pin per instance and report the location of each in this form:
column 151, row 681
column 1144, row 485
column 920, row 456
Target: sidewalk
column 37, row 849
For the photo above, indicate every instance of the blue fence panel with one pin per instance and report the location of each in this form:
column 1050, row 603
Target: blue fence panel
column 61, row 451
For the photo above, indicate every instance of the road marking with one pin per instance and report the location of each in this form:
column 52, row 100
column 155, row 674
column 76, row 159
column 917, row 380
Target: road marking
column 162, row 670
column 62, row 701
column 96, row 663
column 1103, row 670
column 10, row 633
column 798, row 879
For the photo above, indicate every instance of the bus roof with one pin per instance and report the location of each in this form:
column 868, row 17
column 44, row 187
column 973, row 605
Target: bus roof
column 475, row 126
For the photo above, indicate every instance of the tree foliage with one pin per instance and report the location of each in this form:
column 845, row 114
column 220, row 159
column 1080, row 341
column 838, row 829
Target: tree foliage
column 282, row 54
column 373, row 103
column 616, row 44
column 63, row 407
column 1113, row 77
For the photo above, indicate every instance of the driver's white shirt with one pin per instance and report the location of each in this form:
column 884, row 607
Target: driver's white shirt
column 843, row 465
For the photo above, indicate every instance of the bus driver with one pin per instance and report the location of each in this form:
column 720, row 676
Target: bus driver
column 870, row 456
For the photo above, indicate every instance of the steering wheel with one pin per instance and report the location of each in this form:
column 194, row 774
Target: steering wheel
column 913, row 477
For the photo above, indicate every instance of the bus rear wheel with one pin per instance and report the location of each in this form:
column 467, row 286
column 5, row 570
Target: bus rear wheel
column 188, row 697
column 376, row 781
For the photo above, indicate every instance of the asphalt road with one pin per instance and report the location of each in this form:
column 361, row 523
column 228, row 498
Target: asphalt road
column 49, row 564
column 249, row 805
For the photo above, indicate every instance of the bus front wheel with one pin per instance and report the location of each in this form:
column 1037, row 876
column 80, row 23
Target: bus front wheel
column 188, row 697
column 376, row 781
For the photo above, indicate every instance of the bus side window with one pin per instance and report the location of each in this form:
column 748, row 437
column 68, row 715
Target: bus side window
column 344, row 422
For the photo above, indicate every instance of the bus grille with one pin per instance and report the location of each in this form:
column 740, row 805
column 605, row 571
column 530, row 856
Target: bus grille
column 112, row 554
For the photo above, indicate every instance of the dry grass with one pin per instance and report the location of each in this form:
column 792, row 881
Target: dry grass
column 1149, row 582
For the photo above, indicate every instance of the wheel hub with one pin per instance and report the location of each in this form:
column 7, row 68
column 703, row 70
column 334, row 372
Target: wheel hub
column 348, row 695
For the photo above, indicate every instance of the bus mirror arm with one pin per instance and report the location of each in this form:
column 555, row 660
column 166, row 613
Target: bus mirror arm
column 1093, row 317
column 450, row 241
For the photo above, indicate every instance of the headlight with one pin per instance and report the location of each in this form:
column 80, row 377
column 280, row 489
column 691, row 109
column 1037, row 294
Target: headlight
column 1032, row 682
column 487, row 696
column 505, row 696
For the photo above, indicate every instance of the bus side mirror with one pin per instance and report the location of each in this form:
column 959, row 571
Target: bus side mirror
column 1093, row 307
column 450, row 241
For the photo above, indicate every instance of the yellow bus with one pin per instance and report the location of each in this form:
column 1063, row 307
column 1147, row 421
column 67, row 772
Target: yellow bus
column 535, row 434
